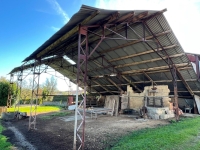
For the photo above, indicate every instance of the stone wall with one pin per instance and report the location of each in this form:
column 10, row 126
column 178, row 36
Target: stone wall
column 136, row 100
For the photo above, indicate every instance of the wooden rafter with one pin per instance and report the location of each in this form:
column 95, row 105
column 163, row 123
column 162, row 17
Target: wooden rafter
column 109, row 19
column 149, row 72
column 131, row 83
column 155, row 68
column 184, row 82
column 146, row 75
column 142, row 82
column 138, row 17
column 142, row 53
column 103, row 87
column 125, row 17
column 134, row 42
column 150, row 60
column 111, row 81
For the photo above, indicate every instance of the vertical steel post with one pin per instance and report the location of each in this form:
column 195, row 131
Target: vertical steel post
column 19, row 87
column 10, row 90
column 81, row 79
column 34, row 98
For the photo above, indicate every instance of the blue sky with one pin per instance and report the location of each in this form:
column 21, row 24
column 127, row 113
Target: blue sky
column 27, row 24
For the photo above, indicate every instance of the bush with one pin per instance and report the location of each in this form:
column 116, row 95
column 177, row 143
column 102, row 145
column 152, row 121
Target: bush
column 4, row 87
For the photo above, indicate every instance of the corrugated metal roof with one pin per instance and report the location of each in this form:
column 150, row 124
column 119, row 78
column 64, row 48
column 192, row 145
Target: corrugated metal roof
column 133, row 60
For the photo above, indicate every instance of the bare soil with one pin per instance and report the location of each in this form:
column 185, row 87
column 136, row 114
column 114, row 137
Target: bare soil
column 56, row 134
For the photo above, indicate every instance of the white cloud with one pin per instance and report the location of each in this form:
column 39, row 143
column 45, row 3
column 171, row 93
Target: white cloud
column 182, row 15
column 55, row 28
column 59, row 10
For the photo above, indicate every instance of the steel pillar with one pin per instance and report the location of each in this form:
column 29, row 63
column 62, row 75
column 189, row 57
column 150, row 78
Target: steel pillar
column 34, row 99
column 83, row 55
column 10, row 94
column 81, row 79
column 19, row 87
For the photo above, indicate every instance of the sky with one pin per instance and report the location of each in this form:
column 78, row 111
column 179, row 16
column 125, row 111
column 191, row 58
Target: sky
column 26, row 24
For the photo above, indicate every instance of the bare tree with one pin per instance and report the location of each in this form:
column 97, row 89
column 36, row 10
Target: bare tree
column 49, row 87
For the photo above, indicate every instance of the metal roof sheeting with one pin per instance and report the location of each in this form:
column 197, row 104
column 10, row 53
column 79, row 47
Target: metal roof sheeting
column 124, row 57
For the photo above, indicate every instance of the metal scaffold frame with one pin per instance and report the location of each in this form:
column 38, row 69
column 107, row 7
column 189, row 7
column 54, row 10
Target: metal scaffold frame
column 10, row 94
column 19, row 88
column 35, row 88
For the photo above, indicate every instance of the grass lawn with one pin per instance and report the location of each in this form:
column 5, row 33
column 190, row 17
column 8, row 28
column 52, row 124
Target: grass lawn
column 40, row 109
column 4, row 145
column 183, row 135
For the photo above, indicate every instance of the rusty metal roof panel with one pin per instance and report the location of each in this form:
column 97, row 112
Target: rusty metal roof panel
column 139, row 52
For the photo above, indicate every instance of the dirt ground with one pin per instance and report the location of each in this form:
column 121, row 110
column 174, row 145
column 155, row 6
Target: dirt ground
column 57, row 134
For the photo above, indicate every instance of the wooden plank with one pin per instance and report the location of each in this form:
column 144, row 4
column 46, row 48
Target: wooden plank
column 155, row 68
column 147, row 61
column 197, row 100
column 142, row 53
column 111, row 81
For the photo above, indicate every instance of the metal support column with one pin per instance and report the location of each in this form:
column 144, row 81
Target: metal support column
column 83, row 56
column 34, row 99
column 81, row 79
column 19, row 87
column 10, row 94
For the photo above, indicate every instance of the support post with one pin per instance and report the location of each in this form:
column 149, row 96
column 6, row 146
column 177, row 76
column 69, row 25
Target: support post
column 81, row 79
column 19, row 87
column 34, row 98
column 83, row 56
column 10, row 94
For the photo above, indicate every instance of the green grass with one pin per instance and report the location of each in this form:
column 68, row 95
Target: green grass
column 4, row 145
column 39, row 109
column 183, row 135
column 57, row 114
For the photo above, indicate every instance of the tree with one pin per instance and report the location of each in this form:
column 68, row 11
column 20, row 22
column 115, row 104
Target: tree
column 49, row 87
column 26, row 90
column 4, row 88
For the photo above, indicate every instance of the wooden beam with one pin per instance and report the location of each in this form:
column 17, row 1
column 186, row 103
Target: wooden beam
column 155, row 68
column 131, row 83
column 134, row 63
column 149, row 78
column 138, row 17
column 67, row 35
column 125, row 17
column 142, row 82
column 111, row 81
column 150, row 60
column 149, row 72
column 109, row 19
column 102, row 87
column 184, row 82
column 107, row 92
column 142, row 53
column 133, row 42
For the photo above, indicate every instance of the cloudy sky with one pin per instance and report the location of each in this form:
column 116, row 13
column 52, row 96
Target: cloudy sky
column 27, row 24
